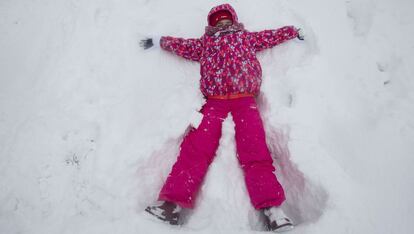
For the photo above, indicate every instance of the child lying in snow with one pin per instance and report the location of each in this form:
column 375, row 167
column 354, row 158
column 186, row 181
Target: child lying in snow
column 230, row 81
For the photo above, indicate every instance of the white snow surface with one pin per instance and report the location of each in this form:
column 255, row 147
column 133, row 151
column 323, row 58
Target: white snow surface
column 90, row 124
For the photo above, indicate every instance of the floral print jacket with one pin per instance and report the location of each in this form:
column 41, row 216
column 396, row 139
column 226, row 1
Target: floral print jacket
column 228, row 63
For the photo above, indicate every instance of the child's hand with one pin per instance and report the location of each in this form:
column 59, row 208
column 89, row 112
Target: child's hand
column 146, row 43
column 301, row 35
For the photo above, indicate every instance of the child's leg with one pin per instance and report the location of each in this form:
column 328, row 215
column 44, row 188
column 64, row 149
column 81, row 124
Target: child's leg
column 254, row 156
column 197, row 150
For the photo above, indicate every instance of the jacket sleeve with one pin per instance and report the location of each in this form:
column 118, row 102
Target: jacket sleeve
column 186, row 48
column 270, row 38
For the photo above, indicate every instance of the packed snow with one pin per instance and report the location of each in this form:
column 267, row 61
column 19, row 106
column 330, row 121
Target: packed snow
column 90, row 124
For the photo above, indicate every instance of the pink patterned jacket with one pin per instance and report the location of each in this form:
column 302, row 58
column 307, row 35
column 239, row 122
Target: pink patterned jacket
column 228, row 63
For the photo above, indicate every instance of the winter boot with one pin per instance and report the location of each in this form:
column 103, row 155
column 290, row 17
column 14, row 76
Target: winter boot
column 276, row 220
column 166, row 211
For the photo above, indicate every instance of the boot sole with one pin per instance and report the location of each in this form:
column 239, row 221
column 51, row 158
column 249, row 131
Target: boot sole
column 284, row 228
column 161, row 218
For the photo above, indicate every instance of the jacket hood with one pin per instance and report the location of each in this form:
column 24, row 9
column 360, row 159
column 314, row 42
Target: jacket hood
column 227, row 7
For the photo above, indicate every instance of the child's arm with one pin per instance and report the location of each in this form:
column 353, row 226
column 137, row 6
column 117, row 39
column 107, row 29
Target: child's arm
column 270, row 38
column 186, row 48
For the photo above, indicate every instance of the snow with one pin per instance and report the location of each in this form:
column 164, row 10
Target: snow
column 90, row 124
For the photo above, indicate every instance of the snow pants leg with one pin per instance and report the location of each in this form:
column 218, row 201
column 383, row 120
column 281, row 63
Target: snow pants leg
column 197, row 151
column 253, row 155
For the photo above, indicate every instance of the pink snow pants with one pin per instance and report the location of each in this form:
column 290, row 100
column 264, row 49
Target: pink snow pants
column 199, row 146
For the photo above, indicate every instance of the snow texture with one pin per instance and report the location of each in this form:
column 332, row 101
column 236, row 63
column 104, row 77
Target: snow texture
column 90, row 124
